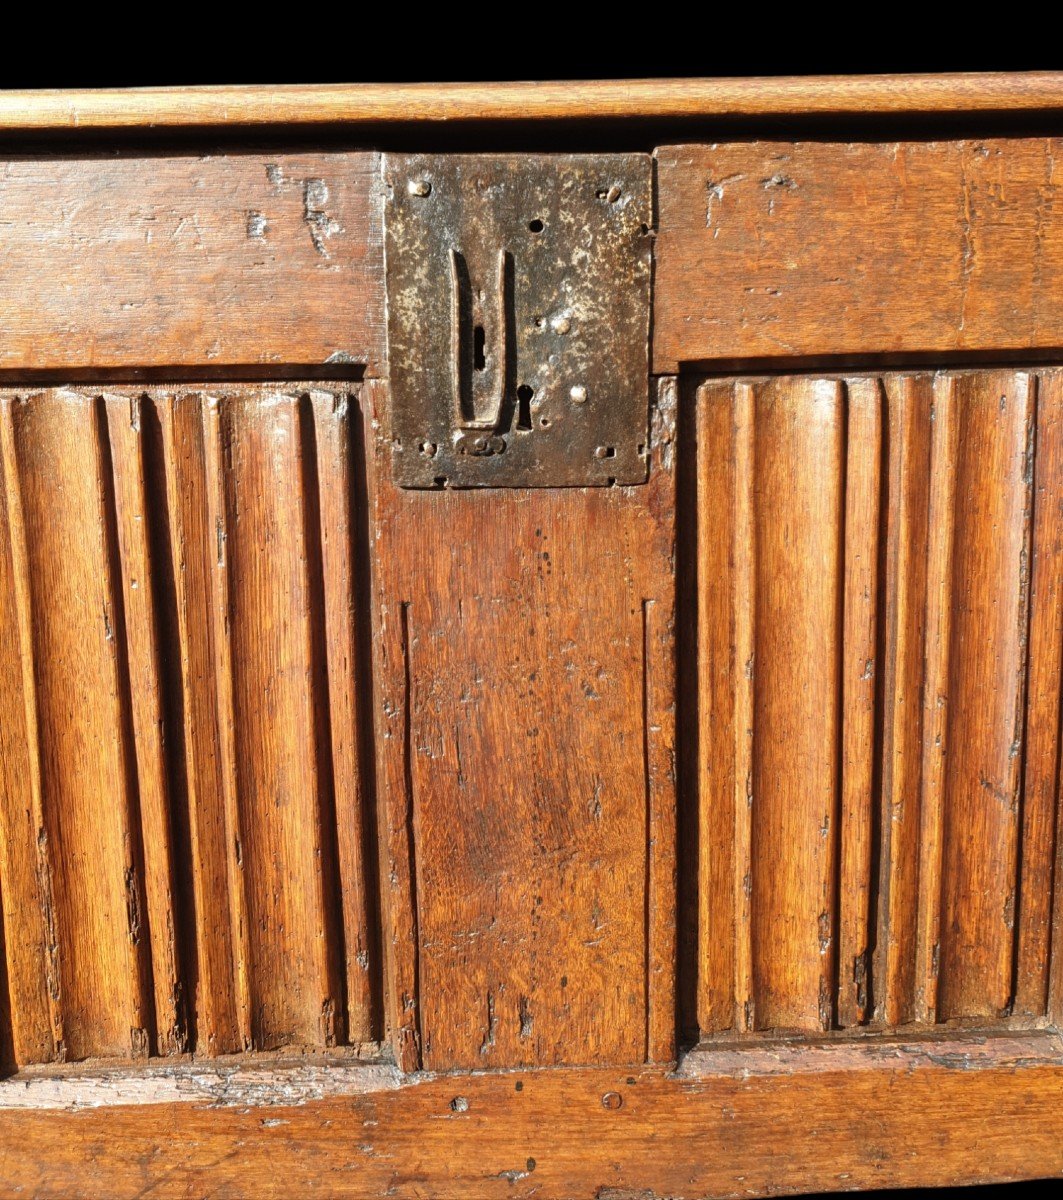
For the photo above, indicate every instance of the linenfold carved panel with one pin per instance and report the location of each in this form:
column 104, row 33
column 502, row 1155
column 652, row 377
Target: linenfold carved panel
column 183, row 800
column 878, row 576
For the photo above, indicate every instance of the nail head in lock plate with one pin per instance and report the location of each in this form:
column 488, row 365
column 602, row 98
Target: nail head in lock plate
column 518, row 295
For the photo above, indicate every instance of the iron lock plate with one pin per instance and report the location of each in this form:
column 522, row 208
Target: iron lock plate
column 518, row 300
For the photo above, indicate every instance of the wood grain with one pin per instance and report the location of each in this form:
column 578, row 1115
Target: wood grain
column 522, row 738
column 308, row 782
column 175, row 432
column 61, row 457
column 987, row 679
column 903, row 629
column 751, row 1122
column 771, row 764
column 1040, row 789
column 885, row 248
column 867, row 616
column 167, row 678
column 132, row 499
column 207, row 262
column 432, row 103
column 859, row 679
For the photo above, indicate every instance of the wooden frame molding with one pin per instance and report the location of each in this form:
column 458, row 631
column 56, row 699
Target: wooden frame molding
column 929, row 248
column 435, row 103
column 752, row 1122
column 248, row 264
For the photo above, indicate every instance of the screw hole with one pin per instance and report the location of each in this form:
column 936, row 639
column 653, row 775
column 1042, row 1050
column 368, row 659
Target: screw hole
column 544, row 422
column 539, row 322
column 536, row 226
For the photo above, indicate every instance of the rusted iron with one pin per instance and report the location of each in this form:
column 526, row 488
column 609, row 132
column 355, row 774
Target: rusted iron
column 518, row 295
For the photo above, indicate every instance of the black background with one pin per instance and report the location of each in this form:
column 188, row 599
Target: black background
column 315, row 44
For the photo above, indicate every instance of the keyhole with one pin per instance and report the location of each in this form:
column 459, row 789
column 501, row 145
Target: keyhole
column 479, row 358
column 524, row 399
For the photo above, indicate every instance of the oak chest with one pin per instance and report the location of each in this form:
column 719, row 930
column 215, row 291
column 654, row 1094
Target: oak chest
column 530, row 638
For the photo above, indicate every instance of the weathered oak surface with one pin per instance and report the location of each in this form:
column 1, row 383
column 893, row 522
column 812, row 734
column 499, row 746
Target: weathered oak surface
column 525, row 732
column 212, row 262
column 367, row 841
column 879, row 697
column 428, row 104
column 788, row 249
column 755, row 1123
column 184, row 844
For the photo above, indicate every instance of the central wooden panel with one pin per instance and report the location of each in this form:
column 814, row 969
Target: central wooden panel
column 525, row 723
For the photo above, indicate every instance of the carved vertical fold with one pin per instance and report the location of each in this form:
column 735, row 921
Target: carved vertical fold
column 1040, row 831
column 28, row 914
column 860, row 671
column 743, row 548
column 798, row 494
column 902, row 635
column 280, row 772
column 205, row 850
column 345, row 592
column 987, row 669
column 718, row 672
column 392, row 719
column 659, row 732
column 133, row 504
column 88, row 779
column 771, row 472
column 939, row 607
column 217, row 457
